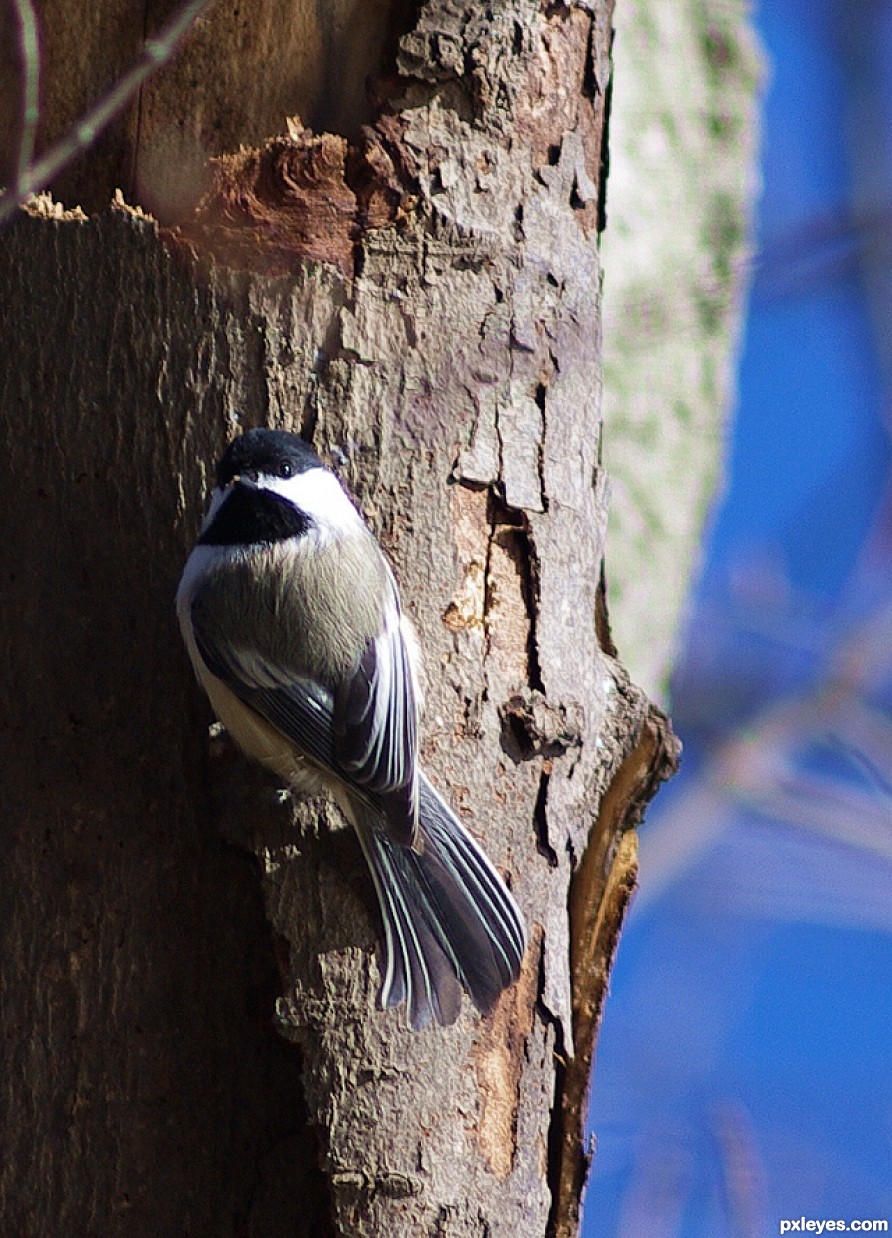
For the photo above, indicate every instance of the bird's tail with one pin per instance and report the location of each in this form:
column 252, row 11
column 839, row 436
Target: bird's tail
column 449, row 919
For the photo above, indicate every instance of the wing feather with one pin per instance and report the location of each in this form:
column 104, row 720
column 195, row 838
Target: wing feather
column 376, row 715
column 300, row 708
column 365, row 732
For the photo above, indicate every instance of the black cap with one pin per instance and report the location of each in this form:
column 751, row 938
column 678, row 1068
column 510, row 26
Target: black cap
column 266, row 451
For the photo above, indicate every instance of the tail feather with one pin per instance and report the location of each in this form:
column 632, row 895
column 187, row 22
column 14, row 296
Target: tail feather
column 449, row 919
column 417, row 969
column 471, row 866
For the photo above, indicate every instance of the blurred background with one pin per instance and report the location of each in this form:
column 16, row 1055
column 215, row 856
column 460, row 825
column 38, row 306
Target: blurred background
column 744, row 1070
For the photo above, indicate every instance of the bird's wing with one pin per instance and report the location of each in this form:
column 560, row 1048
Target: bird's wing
column 365, row 733
column 376, row 714
column 299, row 707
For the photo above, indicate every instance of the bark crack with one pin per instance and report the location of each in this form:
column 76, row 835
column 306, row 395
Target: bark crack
column 540, row 398
column 509, row 529
column 540, row 816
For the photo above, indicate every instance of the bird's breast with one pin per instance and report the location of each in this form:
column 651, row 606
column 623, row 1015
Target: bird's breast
column 311, row 610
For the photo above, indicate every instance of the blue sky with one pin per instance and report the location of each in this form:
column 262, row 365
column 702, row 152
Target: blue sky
column 744, row 1071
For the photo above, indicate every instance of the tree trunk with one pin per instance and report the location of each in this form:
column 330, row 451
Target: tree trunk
column 422, row 300
column 683, row 158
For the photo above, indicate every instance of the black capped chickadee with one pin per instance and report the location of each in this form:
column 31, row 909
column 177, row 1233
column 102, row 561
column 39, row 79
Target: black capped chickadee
column 292, row 620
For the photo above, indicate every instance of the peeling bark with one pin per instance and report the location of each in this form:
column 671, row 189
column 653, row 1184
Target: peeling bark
column 421, row 297
column 600, row 890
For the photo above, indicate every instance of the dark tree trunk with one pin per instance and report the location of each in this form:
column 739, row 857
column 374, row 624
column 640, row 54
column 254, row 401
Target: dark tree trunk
column 423, row 301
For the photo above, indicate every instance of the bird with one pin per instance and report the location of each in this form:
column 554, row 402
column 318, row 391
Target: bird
column 291, row 617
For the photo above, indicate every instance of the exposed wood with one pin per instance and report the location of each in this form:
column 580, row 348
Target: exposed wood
column 600, row 892
column 246, row 67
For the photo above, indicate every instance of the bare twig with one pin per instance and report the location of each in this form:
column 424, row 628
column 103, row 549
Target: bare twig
column 29, row 54
column 155, row 53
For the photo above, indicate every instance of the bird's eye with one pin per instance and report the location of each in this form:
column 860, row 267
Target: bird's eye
column 285, row 469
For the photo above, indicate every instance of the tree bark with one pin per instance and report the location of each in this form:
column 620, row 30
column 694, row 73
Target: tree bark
column 683, row 154
column 421, row 297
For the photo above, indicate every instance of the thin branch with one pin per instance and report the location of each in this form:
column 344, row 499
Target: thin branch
column 29, row 54
column 155, row 53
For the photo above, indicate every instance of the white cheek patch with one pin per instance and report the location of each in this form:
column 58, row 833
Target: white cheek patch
column 318, row 493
